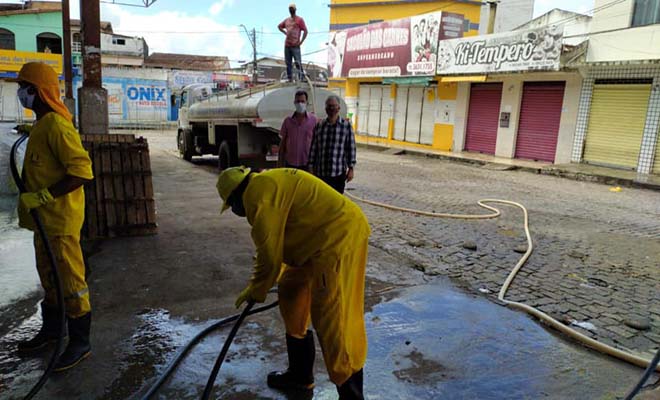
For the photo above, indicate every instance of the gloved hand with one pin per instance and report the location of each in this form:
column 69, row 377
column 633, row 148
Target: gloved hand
column 23, row 128
column 32, row 200
column 246, row 295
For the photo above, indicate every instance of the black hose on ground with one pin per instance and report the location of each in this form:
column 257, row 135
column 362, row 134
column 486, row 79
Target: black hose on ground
column 56, row 276
column 647, row 373
column 223, row 353
column 183, row 352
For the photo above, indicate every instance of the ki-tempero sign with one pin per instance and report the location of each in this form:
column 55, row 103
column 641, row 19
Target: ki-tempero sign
column 528, row 50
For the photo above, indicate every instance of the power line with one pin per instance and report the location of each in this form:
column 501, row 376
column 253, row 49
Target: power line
column 120, row 31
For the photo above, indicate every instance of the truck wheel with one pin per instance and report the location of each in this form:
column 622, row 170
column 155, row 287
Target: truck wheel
column 184, row 144
column 225, row 156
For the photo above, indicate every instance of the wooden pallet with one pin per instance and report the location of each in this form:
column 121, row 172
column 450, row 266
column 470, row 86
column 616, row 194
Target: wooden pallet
column 120, row 199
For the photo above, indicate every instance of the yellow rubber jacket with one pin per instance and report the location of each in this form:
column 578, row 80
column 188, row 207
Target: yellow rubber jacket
column 297, row 219
column 53, row 151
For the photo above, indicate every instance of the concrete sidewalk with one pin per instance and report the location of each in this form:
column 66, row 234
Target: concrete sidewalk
column 577, row 172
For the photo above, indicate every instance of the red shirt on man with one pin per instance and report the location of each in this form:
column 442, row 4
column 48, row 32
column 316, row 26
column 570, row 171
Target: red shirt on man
column 293, row 26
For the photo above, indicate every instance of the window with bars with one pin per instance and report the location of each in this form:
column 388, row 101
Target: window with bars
column 7, row 40
column 646, row 12
column 48, row 42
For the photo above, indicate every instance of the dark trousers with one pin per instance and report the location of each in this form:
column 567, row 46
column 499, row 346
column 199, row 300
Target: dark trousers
column 292, row 54
column 336, row 182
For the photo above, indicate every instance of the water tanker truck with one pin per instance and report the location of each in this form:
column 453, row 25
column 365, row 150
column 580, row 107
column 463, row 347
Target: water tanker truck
column 241, row 128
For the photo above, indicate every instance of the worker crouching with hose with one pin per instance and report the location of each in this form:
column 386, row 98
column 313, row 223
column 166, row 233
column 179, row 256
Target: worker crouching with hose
column 322, row 237
column 56, row 167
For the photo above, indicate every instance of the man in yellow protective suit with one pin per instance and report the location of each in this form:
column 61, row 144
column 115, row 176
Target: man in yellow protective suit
column 322, row 238
column 56, row 167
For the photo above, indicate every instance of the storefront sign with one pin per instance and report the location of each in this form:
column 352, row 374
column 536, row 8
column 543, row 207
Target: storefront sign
column 11, row 60
column 400, row 47
column 179, row 79
column 529, row 50
column 230, row 77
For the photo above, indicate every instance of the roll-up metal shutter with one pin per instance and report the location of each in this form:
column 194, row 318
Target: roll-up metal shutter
column 428, row 115
column 10, row 108
column 385, row 111
column 375, row 108
column 414, row 115
column 616, row 124
column 540, row 115
column 483, row 117
column 363, row 109
column 400, row 110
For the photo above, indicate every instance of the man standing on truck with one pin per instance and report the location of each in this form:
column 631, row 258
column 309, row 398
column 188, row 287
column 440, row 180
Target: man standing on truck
column 292, row 28
column 323, row 239
column 56, row 167
column 332, row 154
column 296, row 135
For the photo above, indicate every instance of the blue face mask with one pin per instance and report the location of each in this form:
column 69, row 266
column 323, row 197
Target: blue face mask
column 26, row 99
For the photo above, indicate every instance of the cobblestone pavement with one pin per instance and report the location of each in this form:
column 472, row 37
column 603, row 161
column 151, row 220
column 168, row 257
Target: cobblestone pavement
column 597, row 252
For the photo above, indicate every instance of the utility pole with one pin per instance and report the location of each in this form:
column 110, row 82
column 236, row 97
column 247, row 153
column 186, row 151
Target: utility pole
column 68, row 73
column 92, row 97
column 252, row 37
column 255, row 70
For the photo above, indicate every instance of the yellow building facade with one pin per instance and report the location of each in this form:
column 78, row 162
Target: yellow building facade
column 418, row 111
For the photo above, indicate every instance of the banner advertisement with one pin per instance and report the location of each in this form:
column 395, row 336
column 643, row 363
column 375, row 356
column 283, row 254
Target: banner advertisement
column 11, row 60
column 180, row 78
column 529, row 50
column 134, row 100
column 402, row 47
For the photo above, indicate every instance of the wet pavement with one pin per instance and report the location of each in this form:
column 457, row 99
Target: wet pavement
column 20, row 278
column 428, row 339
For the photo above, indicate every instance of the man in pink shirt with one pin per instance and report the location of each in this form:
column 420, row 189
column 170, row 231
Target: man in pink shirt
column 296, row 135
column 292, row 27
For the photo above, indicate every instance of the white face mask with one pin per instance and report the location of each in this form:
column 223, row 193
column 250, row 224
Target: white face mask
column 26, row 99
column 300, row 107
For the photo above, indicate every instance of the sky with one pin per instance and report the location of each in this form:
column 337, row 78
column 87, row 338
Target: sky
column 212, row 27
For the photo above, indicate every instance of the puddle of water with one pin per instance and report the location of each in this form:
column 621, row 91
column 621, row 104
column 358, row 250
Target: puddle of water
column 18, row 275
column 243, row 372
column 432, row 342
column 17, row 373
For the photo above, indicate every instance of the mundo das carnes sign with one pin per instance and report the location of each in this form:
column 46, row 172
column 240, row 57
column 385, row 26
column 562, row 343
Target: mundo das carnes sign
column 528, row 50
column 400, row 47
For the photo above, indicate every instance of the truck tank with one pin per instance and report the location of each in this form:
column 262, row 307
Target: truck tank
column 265, row 106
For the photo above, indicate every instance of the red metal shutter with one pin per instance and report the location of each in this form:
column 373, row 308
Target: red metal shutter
column 540, row 114
column 483, row 117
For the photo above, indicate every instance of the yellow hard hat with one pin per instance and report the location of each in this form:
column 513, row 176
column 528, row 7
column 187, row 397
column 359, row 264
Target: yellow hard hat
column 228, row 181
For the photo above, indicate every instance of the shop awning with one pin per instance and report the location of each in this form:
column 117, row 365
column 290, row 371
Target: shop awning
column 465, row 78
column 409, row 80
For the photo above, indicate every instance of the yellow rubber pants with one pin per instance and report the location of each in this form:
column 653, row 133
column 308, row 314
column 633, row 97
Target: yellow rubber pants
column 331, row 292
column 71, row 268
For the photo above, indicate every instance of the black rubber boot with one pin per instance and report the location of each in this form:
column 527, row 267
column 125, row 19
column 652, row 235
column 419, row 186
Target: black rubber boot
column 352, row 388
column 79, row 347
column 48, row 333
column 300, row 375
